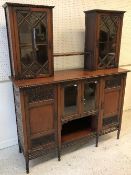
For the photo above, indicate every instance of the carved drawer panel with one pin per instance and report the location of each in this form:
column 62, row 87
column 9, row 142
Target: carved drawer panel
column 110, row 120
column 40, row 93
column 44, row 140
column 113, row 81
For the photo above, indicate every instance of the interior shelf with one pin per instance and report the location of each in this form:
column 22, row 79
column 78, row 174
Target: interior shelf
column 77, row 129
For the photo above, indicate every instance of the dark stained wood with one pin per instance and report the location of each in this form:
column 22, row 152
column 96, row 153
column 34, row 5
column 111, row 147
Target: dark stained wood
column 25, row 5
column 61, row 76
column 104, row 11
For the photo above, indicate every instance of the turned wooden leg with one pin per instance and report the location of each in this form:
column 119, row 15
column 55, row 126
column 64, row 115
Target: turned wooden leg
column 97, row 138
column 27, row 164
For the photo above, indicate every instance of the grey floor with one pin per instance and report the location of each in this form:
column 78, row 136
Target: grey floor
column 112, row 157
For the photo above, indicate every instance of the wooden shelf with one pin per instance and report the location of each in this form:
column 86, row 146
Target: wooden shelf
column 76, row 135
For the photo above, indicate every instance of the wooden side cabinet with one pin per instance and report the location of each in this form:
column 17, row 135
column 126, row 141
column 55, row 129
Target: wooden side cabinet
column 30, row 35
column 36, row 112
column 56, row 112
column 113, row 88
column 102, row 38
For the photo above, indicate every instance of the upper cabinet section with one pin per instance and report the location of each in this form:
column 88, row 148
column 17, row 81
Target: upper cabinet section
column 102, row 38
column 30, row 35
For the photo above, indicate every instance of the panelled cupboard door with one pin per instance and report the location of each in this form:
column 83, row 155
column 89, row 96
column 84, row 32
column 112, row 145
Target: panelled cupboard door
column 41, row 115
column 112, row 99
column 33, row 41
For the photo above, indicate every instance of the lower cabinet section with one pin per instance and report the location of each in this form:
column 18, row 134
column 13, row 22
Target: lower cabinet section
column 55, row 116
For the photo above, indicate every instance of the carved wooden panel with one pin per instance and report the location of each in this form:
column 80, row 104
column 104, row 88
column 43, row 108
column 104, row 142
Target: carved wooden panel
column 110, row 120
column 40, row 93
column 113, row 81
column 43, row 140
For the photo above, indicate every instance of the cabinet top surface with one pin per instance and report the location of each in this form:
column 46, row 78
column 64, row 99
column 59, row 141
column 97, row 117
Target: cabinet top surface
column 68, row 75
column 103, row 11
column 25, row 5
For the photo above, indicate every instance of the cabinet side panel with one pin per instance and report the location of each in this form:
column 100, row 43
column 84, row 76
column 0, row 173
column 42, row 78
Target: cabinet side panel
column 19, row 117
column 90, row 35
column 11, row 39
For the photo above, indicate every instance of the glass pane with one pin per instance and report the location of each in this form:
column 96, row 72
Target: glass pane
column 107, row 40
column 89, row 97
column 32, row 28
column 70, row 99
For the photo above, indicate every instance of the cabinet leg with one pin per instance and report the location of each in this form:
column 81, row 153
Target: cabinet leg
column 20, row 150
column 118, row 134
column 97, row 139
column 27, row 165
column 59, row 154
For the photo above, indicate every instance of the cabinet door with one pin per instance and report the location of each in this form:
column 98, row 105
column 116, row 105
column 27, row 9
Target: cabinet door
column 41, row 115
column 112, row 98
column 90, row 94
column 109, row 31
column 33, row 30
column 70, row 98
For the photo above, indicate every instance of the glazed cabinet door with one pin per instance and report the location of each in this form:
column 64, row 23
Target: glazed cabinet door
column 34, row 41
column 112, row 101
column 102, row 38
column 41, row 115
column 108, row 43
column 70, row 100
column 90, row 96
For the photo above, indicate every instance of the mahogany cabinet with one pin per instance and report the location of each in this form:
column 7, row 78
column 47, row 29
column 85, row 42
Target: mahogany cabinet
column 30, row 35
column 56, row 112
column 103, row 30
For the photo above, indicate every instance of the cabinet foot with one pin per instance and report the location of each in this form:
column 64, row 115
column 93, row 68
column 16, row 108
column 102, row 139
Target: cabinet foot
column 20, row 150
column 118, row 134
column 59, row 159
column 59, row 156
column 97, row 138
column 27, row 165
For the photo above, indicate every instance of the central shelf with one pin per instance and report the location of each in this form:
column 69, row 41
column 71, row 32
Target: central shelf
column 77, row 129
